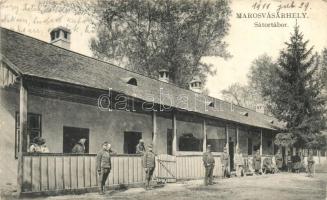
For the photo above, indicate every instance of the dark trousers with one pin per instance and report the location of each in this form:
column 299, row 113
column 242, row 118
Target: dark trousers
column 103, row 175
column 310, row 168
column 208, row 174
column 148, row 175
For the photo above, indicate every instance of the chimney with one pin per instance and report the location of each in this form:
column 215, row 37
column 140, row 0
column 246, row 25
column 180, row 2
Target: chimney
column 260, row 108
column 196, row 84
column 60, row 37
column 164, row 75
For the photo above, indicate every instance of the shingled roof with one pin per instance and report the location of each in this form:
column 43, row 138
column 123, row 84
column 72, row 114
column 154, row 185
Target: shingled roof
column 36, row 58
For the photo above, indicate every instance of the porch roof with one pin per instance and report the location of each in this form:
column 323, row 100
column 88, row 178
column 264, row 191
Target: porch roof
column 36, row 58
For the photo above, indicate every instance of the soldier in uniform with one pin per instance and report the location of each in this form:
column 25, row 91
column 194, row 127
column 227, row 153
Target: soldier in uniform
column 79, row 146
column 289, row 161
column 225, row 163
column 257, row 162
column 149, row 165
column 140, row 148
column 209, row 164
column 239, row 163
column 279, row 160
column 103, row 165
column 311, row 163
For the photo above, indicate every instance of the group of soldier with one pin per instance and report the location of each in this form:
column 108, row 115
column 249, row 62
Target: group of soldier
column 103, row 164
column 240, row 165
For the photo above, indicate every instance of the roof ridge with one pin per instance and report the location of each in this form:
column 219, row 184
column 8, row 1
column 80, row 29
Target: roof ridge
column 116, row 66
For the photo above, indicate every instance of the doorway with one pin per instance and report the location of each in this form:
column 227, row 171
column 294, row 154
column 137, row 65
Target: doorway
column 170, row 137
column 131, row 139
column 71, row 135
column 231, row 155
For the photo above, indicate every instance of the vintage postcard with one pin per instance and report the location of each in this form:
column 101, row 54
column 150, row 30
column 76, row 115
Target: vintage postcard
column 163, row 99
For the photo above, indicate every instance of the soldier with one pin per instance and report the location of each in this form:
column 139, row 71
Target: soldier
column 279, row 160
column 209, row 164
column 239, row 163
column 257, row 162
column 140, row 148
column 149, row 165
column 225, row 163
column 103, row 165
column 311, row 163
column 79, row 146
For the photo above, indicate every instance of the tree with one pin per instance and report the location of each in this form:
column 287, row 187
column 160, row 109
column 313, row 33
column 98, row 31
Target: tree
column 241, row 95
column 295, row 97
column 146, row 35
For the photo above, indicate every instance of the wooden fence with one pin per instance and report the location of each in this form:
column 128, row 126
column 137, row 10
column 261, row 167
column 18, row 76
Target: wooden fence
column 53, row 172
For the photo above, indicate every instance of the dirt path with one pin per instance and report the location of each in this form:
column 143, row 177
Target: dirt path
column 267, row 187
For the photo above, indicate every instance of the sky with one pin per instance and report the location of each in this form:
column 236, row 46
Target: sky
column 246, row 41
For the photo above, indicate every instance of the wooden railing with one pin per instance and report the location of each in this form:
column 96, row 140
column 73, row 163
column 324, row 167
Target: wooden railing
column 191, row 167
column 53, row 172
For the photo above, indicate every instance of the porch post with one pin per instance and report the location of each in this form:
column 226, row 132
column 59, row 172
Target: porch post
column 237, row 138
column 22, row 133
column 204, row 129
column 227, row 139
column 154, row 130
column 174, row 133
column 260, row 142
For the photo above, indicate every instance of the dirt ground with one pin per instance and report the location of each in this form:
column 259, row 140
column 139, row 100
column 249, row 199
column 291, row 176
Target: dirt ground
column 268, row 187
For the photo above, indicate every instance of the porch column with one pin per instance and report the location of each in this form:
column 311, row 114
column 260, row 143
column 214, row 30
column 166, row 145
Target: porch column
column 174, row 133
column 154, row 130
column 227, row 139
column 260, row 142
column 204, row 129
column 23, row 135
column 237, row 138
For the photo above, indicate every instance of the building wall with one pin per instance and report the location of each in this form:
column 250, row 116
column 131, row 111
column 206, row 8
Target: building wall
column 9, row 104
column 103, row 125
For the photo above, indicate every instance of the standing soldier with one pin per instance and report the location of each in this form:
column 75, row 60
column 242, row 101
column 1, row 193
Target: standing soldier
column 103, row 165
column 239, row 163
column 225, row 163
column 279, row 160
column 209, row 164
column 311, row 163
column 149, row 165
column 140, row 148
column 257, row 162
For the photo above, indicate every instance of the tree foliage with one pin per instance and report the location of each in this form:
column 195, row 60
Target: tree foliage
column 294, row 95
column 147, row 35
column 241, row 95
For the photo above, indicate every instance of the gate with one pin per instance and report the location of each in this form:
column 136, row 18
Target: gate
column 166, row 168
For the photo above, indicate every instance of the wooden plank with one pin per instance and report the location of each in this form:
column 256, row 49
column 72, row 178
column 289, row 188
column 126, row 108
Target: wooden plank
column 87, row 169
column 115, row 171
column 67, row 172
column 80, row 172
column 135, row 169
column 58, row 171
column 26, row 174
column 44, row 175
column 74, row 174
column 130, row 169
column 35, row 173
column 52, row 173
column 93, row 171
column 120, row 170
column 125, row 171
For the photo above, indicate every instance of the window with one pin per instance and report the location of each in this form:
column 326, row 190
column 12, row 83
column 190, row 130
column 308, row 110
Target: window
column 131, row 139
column 57, row 34
column 216, row 137
column 52, row 35
column 65, row 35
column 188, row 142
column 71, row 136
column 33, row 129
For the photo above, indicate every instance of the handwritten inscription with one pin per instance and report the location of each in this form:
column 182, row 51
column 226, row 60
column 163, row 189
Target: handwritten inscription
column 33, row 16
column 271, row 10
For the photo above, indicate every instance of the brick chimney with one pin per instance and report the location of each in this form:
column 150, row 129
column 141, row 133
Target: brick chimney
column 196, row 84
column 60, row 37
